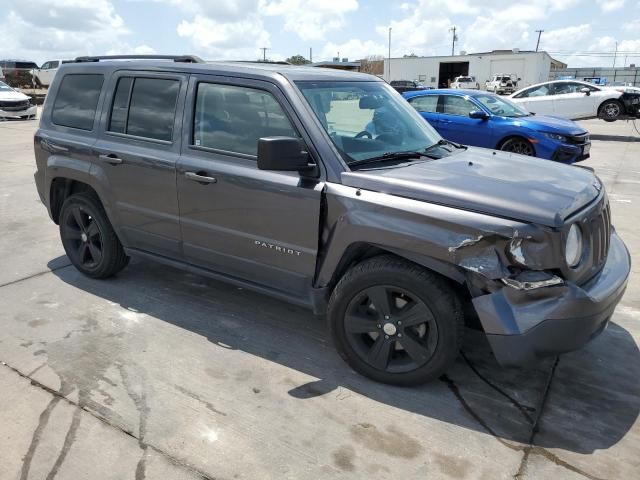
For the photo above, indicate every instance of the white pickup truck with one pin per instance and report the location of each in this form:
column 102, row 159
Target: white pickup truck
column 43, row 76
column 502, row 83
column 465, row 82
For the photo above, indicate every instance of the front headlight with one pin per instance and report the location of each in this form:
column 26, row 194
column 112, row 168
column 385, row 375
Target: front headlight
column 573, row 246
column 555, row 136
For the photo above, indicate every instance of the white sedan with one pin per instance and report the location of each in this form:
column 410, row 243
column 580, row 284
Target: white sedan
column 14, row 104
column 571, row 99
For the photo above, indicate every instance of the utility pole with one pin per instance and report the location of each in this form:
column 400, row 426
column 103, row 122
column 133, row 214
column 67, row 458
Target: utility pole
column 389, row 69
column 454, row 39
column 615, row 54
column 310, row 55
column 264, row 53
column 539, row 32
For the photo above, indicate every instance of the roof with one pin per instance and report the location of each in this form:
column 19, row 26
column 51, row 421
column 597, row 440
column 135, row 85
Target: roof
column 257, row 70
column 450, row 91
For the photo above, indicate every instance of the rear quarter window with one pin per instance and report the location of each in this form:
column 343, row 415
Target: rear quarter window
column 77, row 100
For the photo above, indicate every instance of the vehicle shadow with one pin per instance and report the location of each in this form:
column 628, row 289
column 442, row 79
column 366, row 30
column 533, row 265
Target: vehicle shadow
column 615, row 138
column 594, row 392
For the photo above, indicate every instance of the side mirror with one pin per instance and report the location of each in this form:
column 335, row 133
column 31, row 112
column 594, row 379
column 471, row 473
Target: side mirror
column 519, row 79
column 283, row 154
column 479, row 114
column 586, row 91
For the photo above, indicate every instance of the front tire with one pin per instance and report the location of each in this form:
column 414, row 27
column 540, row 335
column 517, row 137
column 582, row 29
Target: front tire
column 88, row 237
column 610, row 110
column 518, row 145
column 395, row 322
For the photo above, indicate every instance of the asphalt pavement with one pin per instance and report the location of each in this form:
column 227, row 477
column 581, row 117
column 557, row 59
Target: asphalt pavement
column 162, row 374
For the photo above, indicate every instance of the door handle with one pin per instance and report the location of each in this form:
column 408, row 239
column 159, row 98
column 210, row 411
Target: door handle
column 199, row 177
column 52, row 147
column 111, row 158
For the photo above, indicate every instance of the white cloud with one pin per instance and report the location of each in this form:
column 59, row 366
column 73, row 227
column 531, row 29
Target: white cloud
column 610, row 5
column 311, row 19
column 354, row 49
column 42, row 29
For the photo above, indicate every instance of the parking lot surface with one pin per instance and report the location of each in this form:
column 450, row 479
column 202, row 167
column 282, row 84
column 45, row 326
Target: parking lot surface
column 161, row 374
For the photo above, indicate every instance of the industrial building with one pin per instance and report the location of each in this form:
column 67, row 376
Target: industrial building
column 438, row 72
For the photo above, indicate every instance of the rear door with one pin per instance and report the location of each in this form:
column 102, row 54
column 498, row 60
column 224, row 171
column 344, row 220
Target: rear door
column 255, row 225
column 570, row 102
column 537, row 99
column 136, row 155
column 427, row 106
column 457, row 126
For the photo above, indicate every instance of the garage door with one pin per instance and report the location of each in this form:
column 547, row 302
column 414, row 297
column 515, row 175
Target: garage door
column 515, row 65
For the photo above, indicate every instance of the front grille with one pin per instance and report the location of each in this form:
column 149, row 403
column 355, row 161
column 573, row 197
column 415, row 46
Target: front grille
column 578, row 139
column 9, row 106
column 600, row 229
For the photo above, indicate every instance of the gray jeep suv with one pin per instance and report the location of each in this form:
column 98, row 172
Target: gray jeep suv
column 326, row 189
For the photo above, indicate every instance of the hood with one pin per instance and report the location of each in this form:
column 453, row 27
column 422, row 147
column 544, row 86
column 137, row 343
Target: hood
column 12, row 95
column 547, row 123
column 496, row 183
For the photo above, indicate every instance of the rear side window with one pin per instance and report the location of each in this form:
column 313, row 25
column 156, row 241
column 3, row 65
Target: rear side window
column 539, row 91
column 233, row 119
column 145, row 107
column 77, row 100
column 427, row 103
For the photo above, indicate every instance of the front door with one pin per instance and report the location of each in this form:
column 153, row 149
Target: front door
column 136, row 155
column 570, row 102
column 255, row 225
column 456, row 125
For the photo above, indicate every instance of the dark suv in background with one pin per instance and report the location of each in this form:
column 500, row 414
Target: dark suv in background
column 328, row 190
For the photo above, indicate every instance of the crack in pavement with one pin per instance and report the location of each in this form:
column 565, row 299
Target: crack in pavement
column 523, row 409
column 37, row 274
column 44, row 419
column 528, row 449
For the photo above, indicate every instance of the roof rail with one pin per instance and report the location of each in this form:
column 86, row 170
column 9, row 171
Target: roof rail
column 175, row 58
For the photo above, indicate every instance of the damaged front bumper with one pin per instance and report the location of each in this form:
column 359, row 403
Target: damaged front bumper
column 524, row 325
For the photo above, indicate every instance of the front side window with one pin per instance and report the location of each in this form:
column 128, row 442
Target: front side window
column 145, row 107
column 539, row 91
column 54, row 64
column 365, row 120
column 458, row 106
column 77, row 100
column 232, row 118
column 501, row 106
column 426, row 103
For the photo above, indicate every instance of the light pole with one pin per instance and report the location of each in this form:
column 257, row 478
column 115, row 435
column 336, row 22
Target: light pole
column 389, row 68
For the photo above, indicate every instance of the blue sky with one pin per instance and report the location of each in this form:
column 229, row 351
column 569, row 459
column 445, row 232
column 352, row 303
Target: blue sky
column 579, row 32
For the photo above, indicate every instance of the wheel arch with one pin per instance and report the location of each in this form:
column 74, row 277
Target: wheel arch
column 62, row 188
column 510, row 136
column 617, row 100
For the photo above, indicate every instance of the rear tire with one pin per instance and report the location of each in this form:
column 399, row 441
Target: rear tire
column 610, row 110
column 395, row 322
column 88, row 237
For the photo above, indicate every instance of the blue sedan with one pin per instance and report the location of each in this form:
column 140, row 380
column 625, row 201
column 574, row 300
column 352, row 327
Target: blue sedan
column 483, row 119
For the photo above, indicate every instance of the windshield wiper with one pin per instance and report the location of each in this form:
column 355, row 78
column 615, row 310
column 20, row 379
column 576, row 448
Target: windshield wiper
column 390, row 157
column 443, row 142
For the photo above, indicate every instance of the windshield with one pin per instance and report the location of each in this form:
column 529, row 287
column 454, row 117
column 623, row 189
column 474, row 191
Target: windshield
column 5, row 88
column 367, row 119
column 501, row 106
column 465, row 79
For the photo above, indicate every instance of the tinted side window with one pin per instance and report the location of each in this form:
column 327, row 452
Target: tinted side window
column 54, row 64
column 458, row 106
column 120, row 107
column 144, row 107
column 153, row 107
column 428, row 103
column 77, row 100
column 233, row 118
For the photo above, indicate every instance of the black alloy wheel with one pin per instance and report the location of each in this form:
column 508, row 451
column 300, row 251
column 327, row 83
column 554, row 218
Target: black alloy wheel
column 391, row 329
column 395, row 321
column 81, row 231
column 88, row 237
column 518, row 145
